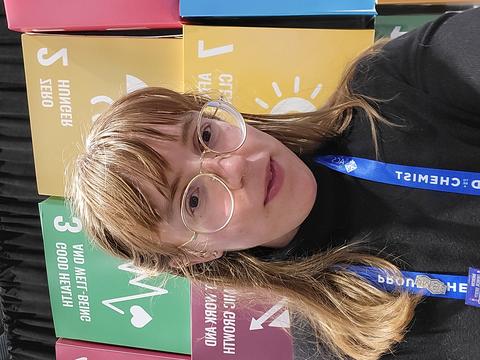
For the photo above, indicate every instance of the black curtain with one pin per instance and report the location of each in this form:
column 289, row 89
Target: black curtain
column 24, row 294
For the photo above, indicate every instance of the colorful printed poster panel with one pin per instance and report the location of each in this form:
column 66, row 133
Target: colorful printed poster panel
column 72, row 79
column 99, row 298
column 225, row 327
column 253, row 8
column 251, row 67
column 81, row 350
column 60, row 15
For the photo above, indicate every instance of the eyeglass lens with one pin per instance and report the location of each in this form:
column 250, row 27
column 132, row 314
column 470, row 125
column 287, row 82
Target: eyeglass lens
column 207, row 204
column 220, row 129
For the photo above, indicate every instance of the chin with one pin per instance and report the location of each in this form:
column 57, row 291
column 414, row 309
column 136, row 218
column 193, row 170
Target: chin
column 307, row 193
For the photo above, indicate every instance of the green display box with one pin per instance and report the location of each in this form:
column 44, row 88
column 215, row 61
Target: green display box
column 97, row 297
column 393, row 26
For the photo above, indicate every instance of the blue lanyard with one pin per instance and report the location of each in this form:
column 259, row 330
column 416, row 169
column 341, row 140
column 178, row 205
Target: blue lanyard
column 461, row 182
column 436, row 285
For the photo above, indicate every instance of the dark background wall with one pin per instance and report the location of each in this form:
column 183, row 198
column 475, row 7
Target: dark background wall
column 27, row 322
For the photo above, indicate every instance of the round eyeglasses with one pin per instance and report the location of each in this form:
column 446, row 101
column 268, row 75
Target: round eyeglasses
column 207, row 202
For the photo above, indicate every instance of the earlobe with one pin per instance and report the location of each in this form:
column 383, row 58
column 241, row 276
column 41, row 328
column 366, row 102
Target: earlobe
column 204, row 257
column 195, row 258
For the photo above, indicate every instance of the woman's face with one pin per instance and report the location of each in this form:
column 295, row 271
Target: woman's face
column 246, row 172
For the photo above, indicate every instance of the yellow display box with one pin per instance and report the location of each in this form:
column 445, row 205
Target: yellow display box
column 270, row 70
column 71, row 79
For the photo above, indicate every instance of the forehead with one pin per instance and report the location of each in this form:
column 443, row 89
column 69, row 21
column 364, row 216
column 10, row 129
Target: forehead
column 176, row 154
column 170, row 217
column 170, row 228
column 178, row 126
column 182, row 130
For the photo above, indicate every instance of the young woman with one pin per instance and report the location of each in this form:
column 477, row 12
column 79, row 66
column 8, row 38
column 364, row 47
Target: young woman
column 181, row 184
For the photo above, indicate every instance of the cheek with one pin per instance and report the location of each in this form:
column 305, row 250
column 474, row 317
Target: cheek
column 248, row 208
column 241, row 224
column 245, row 225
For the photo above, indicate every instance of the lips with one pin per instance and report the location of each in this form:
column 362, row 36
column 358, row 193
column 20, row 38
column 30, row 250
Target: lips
column 273, row 180
column 268, row 179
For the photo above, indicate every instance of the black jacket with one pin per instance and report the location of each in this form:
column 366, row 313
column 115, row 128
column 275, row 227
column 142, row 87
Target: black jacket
column 431, row 77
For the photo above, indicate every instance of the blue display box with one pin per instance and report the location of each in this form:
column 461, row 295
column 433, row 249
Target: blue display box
column 263, row 8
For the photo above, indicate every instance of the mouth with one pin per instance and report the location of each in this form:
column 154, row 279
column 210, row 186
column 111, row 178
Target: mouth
column 273, row 180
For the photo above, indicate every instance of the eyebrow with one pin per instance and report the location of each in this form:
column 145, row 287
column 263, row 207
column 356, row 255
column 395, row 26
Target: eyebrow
column 186, row 127
column 186, row 130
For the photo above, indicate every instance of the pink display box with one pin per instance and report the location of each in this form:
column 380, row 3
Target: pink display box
column 224, row 329
column 72, row 15
column 82, row 350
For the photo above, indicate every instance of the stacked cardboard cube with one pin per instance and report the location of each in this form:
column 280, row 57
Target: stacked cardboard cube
column 397, row 17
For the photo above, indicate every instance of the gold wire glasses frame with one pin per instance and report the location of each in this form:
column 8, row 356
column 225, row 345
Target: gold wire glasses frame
column 217, row 104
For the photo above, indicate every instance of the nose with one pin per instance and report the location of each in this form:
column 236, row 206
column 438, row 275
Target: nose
column 230, row 167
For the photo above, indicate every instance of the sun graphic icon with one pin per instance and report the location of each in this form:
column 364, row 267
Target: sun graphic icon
column 291, row 104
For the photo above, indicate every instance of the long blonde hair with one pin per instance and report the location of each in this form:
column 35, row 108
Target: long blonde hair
column 350, row 316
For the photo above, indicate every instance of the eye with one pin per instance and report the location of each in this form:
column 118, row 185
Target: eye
column 206, row 133
column 193, row 201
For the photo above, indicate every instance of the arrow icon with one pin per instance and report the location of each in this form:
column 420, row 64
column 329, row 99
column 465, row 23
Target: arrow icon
column 282, row 321
column 256, row 324
column 396, row 32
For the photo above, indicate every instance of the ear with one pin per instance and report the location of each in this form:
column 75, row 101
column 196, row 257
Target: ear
column 194, row 259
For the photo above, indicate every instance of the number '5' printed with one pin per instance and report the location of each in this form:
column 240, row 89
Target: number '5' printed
column 47, row 61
